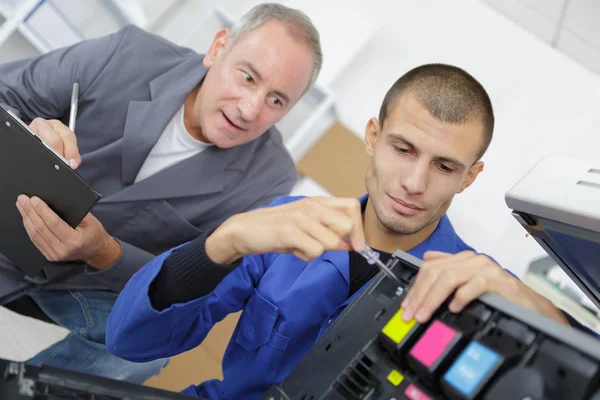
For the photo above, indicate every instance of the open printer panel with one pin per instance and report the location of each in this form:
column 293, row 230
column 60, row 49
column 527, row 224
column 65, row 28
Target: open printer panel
column 558, row 203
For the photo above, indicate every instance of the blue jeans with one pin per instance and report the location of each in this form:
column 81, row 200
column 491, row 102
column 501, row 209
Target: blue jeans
column 85, row 313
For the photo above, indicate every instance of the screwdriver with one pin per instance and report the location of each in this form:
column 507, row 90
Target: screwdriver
column 372, row 257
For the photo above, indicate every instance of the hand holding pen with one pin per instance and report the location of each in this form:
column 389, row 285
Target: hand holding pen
column 58, row 136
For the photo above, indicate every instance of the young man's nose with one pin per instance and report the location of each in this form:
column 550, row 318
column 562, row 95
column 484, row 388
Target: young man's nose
column 416, row 180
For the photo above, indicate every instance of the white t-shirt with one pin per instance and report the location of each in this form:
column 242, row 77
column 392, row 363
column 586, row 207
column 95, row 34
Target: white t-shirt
column 174, row 145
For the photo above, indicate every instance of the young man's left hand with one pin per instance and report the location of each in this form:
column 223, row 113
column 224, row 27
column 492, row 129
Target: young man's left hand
column 469, row 275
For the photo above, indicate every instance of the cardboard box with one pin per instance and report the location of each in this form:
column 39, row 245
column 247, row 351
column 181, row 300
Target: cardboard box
column 338, row 162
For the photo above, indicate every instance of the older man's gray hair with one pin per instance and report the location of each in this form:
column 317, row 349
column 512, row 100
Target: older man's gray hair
column 299, row 24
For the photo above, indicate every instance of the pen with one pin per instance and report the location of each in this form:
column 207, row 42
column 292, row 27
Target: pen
column 74, row 101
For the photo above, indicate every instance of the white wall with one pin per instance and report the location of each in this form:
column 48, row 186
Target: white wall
column 544, row 102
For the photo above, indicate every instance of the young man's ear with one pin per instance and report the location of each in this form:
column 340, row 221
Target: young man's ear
column 372, row 133
column 216, row 48
column 471, row 175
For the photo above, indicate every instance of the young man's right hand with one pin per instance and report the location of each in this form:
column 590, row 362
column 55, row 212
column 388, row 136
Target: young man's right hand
column 305, row 228
column 59, row 137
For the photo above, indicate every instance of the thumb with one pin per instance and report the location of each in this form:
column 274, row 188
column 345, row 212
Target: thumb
column 435, row 255
column 71, row 152
column 70, row 148
column 87, row 221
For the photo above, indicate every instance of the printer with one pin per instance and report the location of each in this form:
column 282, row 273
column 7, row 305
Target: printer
column 494, row 349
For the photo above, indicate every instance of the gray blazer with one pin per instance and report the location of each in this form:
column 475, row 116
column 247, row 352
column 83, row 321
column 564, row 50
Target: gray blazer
column 131, row 85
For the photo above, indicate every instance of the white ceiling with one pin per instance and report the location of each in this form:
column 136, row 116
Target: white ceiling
column 572, row 26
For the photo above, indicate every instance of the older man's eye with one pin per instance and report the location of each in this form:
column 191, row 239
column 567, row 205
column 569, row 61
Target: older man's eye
column 247, row 76
column 275, row 101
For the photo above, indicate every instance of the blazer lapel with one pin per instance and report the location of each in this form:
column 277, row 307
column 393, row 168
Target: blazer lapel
column 146, row 120
column 198, row 175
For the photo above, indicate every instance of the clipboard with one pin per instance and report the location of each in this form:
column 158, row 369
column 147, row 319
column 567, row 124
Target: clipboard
column 29, row 166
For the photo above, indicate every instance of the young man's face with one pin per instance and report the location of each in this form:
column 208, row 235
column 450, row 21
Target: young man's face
column 252, row 85
column 418, row 164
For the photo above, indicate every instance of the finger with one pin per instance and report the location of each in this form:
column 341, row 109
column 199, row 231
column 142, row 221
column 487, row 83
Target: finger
column 427, row 276
column 450, row 274
column 303, row 245
column 45, row 130
column 448, row 281
column 55, row 224
column 352, row 208
column 39, row 227
column 440, row 258
column 340, row 223
column 422, row 285
column 329, row 239
column 35, row 238
column 70, row 149
column 471, row 290
column 435, row 255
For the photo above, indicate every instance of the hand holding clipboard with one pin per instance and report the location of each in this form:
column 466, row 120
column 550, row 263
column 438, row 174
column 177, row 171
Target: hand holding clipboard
column 52, row 220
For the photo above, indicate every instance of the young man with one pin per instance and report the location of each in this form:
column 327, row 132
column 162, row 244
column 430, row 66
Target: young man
column 175, row 141
column 290, row 266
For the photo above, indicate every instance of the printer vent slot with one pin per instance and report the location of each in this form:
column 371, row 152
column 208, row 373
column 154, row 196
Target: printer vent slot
column 593, row 185
column 357, row 381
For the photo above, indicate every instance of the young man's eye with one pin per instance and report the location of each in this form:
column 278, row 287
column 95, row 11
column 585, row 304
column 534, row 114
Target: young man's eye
column 247, row 76
column 446, row 168
column 401, row 150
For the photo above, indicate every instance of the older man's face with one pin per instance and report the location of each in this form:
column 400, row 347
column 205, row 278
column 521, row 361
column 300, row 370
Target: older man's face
column 252, row 85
